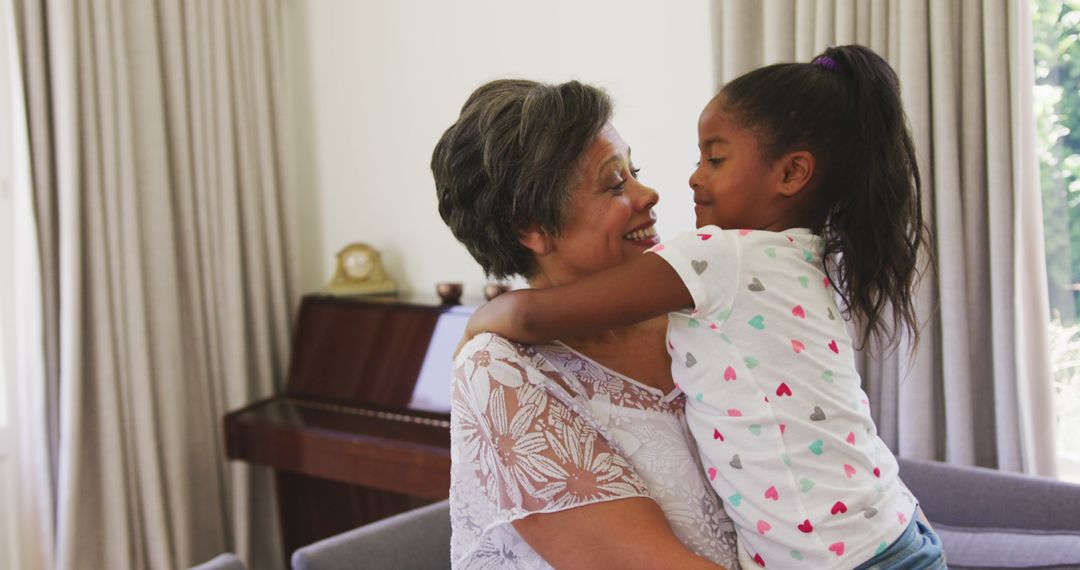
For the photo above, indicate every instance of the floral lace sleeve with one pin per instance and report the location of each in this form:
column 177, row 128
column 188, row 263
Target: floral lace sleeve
column 525, row 439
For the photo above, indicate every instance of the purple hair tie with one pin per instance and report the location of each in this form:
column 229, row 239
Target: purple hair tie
column 826, row 62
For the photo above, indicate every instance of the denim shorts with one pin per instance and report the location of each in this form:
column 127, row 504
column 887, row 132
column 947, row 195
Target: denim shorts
column 917, row 548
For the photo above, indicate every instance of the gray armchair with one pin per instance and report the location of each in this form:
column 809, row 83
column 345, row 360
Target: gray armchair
column 226, row 561
column 418, row 539
column 991, row 519
column 986, row 519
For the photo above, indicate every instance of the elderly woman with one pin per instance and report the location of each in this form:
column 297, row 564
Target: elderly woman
column 576, row 453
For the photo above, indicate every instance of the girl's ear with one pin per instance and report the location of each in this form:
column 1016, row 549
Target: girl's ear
column 796, row 169
column 535, row 239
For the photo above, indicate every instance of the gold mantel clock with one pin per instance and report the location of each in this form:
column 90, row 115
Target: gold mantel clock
column 359, row 272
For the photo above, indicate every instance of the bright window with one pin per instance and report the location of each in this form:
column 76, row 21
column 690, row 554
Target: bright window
column 1057, row 107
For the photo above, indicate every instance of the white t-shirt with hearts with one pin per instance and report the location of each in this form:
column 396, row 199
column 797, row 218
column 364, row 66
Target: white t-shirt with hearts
column 775, row 404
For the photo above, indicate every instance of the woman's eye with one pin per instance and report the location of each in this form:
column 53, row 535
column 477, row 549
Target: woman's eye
column 619, row 188
column 634, row 172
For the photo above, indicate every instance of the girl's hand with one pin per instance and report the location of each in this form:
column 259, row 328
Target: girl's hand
column 498, row 316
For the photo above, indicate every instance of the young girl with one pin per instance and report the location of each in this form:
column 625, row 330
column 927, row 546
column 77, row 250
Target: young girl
column 807, row 188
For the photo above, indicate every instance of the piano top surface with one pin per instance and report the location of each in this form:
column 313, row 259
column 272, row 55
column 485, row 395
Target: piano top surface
column 344, row 412
column 364, row 351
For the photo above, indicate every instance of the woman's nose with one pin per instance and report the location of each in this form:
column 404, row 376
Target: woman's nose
column 646, row 197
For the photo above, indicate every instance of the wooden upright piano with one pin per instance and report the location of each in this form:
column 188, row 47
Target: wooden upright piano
column 362, row 430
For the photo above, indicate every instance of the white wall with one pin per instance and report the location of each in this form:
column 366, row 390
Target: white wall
column 375, row 83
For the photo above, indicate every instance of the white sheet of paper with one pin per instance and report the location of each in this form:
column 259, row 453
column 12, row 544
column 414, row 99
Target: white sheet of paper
column 432, row 392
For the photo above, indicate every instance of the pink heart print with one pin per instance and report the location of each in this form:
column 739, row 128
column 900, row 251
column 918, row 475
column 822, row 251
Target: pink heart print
column 783, row 389
column 849, row 471
column 797, row 346
column 837, row 547
column 712, row 473
column 704, row 237
column 763, row 527
column 771, row 493
column 851, row 437
column 717, row 435
column 799, row 312
column 839, row 507
column 833, row 347
column 729, row 374
column 806, row 527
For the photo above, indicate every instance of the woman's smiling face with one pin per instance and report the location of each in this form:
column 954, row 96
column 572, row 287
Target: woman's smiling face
column 610, row 215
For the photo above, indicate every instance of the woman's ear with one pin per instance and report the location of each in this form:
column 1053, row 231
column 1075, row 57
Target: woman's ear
column 796, row 171
column 535, row 239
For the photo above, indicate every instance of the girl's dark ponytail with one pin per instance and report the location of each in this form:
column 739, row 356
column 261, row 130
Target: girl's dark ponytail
column 845, row 108
column 876, row 226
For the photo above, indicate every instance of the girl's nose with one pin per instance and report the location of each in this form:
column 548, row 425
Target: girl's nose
column 693, row 178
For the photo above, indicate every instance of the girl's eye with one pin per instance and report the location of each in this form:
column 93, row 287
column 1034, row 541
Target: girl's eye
column 716, row 161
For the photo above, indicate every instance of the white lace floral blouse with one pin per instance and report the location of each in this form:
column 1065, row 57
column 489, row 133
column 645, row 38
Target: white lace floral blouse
column 539, row 429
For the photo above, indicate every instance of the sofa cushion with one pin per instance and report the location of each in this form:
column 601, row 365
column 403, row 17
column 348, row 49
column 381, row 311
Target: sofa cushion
column 987, row 548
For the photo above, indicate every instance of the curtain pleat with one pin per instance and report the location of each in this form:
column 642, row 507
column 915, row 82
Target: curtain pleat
column 159, row 182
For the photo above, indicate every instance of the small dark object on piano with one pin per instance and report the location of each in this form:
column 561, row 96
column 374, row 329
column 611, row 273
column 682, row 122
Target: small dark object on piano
column 492, row 290
column 449, row 292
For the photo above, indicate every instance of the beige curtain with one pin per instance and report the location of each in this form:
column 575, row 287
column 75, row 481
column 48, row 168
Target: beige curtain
column 167, row 277
column 978, row 389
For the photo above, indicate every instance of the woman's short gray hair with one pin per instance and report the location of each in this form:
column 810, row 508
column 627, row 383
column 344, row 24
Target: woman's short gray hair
column 509, row 161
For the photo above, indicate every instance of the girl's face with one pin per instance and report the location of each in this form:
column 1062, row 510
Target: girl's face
column 610, row 216
column 734, row 185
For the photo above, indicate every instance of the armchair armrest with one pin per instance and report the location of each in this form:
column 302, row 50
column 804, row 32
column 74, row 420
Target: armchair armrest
column 977, row 497
column 418, row 539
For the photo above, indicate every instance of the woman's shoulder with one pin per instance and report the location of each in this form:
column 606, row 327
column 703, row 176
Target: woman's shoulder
column 486, row 350
column 488, row 345
column 489, row 359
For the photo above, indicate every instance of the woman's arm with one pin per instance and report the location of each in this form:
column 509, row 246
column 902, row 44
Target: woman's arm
column 635, row 291
column 621, row 534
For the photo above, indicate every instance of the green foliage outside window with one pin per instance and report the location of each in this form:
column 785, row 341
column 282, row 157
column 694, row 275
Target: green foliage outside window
column 1057, row 111
column 1057, row 108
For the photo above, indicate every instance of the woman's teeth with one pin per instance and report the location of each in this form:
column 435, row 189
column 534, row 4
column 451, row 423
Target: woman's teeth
column 641, row 234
